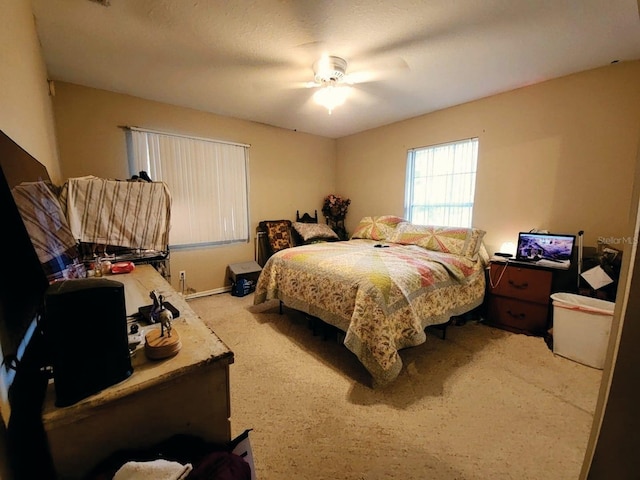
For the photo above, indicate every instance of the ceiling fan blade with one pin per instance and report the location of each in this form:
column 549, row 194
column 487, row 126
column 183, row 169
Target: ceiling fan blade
column 362, row 97
column 367, row 76
column 315, row 48
column 280, row 85
column 377, row 72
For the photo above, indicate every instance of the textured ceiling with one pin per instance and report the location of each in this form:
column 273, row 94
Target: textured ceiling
column 251, row 59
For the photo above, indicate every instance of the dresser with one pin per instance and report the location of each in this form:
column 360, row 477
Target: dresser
column 519, row 298
column 187, row 393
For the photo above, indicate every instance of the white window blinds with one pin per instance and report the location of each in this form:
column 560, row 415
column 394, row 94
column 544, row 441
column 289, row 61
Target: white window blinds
column 208, row 182
column 440, row 184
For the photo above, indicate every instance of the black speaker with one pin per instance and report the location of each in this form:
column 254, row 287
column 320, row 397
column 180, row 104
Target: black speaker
column 86, row 332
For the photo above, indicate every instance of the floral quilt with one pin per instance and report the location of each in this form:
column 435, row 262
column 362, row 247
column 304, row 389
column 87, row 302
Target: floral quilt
column 382, row 297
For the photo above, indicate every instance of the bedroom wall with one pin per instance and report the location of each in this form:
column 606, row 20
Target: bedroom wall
column 289, row 170
column 26, row 114
column 557, row 155
column 614, row 441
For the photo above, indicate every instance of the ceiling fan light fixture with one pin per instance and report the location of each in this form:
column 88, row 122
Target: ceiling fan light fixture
column 331, row 95
column 330, row 69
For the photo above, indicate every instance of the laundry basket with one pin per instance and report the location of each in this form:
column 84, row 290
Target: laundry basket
column 581, row 327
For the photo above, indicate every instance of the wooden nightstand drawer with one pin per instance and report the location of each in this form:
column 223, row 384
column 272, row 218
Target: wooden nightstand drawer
column 527, row 284
column 517, row 316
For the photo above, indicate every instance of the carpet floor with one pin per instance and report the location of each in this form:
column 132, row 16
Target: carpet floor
column 482, row 404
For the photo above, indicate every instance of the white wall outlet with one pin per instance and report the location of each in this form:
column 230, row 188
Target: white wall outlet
column 183, row 275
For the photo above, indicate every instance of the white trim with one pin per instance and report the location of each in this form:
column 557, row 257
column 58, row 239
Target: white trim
column 191, row 137
column 207, row 293
column 444, row 144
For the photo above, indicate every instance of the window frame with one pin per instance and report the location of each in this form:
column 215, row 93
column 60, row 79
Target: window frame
column 452, row 175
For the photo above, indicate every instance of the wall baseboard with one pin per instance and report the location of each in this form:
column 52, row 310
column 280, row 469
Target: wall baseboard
column 206, row 293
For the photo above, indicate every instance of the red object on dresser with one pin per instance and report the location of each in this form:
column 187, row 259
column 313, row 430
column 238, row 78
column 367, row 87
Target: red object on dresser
column 122, row 267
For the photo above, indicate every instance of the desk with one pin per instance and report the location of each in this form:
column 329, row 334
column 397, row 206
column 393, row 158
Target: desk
column 187, row 393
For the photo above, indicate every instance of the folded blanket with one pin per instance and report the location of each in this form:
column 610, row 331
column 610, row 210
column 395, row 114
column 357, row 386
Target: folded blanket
column 154, row 470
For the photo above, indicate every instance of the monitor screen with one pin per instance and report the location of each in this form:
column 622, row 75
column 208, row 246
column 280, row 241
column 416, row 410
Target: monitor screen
column 545, row 246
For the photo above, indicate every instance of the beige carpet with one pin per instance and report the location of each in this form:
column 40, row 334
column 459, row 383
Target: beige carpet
column 482, row 404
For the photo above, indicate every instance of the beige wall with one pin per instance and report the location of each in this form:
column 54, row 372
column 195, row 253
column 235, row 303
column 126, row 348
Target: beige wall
column 289, row 171
column 557, row 155
column 26, row 115
column 614, row 440
column 25, row 107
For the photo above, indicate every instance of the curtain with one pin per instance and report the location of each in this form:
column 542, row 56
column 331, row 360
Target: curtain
column 207, row 180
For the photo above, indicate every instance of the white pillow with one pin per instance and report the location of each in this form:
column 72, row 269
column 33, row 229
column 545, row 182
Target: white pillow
column 315, row 231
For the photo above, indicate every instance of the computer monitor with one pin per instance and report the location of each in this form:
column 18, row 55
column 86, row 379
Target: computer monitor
column 548, row 247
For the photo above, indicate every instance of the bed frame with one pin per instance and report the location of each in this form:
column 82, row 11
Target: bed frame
column 306, row 218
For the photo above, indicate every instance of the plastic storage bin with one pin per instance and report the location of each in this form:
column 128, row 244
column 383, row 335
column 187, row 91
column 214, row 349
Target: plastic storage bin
column 581, row 327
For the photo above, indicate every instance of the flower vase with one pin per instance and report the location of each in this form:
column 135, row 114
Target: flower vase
column 337, row 225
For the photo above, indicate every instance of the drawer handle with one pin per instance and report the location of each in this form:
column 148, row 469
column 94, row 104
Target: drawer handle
column 520, row 286
column 516, row 315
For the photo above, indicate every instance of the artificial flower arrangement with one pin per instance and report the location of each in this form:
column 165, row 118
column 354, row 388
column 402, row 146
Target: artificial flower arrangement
column 335, row 207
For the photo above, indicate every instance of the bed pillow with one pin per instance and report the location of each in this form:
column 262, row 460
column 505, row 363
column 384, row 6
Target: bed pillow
column 457, row 240
column 377, row 228
column 315, row 231
column 279, row 234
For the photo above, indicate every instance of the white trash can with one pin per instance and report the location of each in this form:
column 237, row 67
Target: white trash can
column 581, row 327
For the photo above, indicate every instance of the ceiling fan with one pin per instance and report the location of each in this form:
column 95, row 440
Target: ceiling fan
column 331, row 81
column 334, row 85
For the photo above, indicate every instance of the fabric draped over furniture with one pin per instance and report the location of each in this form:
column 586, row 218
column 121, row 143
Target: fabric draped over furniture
column 47, row 226
column 134, row 215
column 382, row 298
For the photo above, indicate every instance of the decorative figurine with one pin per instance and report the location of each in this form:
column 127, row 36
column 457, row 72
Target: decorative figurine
column 155, row 308
column 158, row 345
column 165, row 316
column 160, row 314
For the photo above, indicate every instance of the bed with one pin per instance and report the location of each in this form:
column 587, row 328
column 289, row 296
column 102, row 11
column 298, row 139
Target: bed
column 382, row 287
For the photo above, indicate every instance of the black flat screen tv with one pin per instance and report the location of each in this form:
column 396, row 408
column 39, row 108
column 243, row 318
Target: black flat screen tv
column 23, row 280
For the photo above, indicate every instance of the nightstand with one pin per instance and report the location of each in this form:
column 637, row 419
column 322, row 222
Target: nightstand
column 518, row 298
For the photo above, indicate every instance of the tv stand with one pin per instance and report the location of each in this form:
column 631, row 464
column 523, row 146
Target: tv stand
column 187, row 393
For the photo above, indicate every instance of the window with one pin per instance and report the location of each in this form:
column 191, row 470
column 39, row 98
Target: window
column 207, row 180
column 440, row 184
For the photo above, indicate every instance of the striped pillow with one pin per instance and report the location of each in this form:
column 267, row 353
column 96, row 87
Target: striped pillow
column 377, row 228
column 456, row 240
